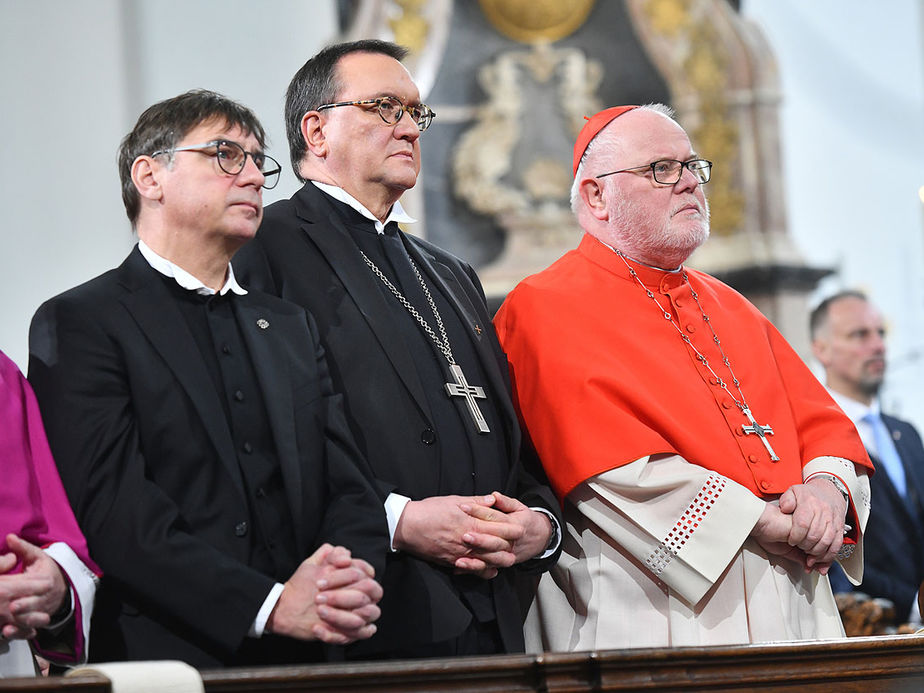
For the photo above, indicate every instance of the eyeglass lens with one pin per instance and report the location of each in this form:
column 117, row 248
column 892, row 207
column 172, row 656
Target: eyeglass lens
column 668, row 171
column 232, row 158
column 391, row 110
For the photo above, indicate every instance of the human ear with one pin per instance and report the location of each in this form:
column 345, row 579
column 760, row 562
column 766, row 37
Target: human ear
column 313, row 133
column 145, row 175
column 820, row 351
column 592, row 193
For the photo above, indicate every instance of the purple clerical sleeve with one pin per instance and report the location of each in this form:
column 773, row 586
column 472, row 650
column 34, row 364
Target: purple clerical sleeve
column 33, row 503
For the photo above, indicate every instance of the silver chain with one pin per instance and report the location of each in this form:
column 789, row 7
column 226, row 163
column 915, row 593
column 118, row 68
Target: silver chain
column 441, row 342
column 742, row 403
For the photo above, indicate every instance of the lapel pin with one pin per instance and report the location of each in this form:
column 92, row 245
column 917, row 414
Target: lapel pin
column 477, row 328
column 262, row 324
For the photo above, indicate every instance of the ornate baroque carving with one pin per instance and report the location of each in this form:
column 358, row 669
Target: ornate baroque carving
column 410, row 27
column 512, row 164
column 687, row 46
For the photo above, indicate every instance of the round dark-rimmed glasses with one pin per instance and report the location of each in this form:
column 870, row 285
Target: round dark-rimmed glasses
column 232, row 158
column 391, row 110
column 669, row 171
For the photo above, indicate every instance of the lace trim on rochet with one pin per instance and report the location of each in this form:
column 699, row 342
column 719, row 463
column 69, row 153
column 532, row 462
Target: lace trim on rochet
column 681, row 532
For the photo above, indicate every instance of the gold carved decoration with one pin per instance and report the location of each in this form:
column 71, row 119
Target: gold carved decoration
column 411, row 28
column 700, row 66
column 668, row 17
column 717, row 134
column 536, row 21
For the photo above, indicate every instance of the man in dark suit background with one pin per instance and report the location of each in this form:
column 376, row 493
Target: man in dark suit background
column 848, row 339
column 194, row 424
column 411, row 345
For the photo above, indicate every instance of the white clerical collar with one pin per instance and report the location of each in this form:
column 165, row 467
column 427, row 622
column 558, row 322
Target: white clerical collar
column 854, row 410
column 184, row 278
column 397, row 212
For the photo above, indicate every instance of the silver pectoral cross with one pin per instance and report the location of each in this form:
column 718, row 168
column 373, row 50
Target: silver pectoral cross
column 761, row 431
column 461, row 388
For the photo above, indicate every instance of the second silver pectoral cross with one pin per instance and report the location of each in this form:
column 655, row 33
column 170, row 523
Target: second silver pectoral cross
column 753, row 428
column 459, row 387
column 760, row 431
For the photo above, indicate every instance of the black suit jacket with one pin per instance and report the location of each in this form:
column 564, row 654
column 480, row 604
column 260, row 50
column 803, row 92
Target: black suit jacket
column 893, row 544
column 148, row 461
column 304, row 253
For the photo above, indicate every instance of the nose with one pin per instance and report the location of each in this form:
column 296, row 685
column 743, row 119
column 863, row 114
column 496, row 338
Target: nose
column 878, row 343
column 687, row 181
column 251, row 173
column 406, row 127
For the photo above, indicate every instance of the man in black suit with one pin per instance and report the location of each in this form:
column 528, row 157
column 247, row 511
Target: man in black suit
column 848, row 338
column 410, row 343
column 194, row 423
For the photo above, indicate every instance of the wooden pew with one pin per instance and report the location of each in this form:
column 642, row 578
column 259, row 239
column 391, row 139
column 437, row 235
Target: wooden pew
column 892, row 664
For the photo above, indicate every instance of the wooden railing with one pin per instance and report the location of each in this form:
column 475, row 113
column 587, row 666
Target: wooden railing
column 892, row 664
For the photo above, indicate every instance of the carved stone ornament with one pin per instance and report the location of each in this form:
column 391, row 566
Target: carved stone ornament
column 513, row 163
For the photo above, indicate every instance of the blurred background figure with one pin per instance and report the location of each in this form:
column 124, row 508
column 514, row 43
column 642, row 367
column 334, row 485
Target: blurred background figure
column 848, row 339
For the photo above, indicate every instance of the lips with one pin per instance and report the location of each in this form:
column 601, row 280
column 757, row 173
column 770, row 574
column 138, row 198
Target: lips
column 689, row 207
column 255, row 206
column 876, row 364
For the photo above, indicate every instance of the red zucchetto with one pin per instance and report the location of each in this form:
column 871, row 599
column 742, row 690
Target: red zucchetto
column 594, row 125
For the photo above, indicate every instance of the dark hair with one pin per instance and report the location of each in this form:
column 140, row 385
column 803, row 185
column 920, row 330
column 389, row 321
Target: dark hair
column 317, row 83
column 819, row 316
column 165, row 123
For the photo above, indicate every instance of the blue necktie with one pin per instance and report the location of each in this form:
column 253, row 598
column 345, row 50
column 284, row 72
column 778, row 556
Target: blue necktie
column 886, row 452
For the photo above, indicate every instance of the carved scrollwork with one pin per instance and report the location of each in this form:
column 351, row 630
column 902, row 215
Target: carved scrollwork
column 484, row 174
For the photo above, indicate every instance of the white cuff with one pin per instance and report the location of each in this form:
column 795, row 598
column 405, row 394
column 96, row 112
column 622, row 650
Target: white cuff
column 82, row 580
column 394, row 506
column 259, row 623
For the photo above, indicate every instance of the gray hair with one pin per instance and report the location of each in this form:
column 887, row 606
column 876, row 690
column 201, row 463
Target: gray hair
column 607, row 139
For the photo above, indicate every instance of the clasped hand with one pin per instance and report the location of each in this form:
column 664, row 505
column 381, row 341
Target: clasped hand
column 808, row 525
column 476, row 535
column 331, row 597
column 28, row 598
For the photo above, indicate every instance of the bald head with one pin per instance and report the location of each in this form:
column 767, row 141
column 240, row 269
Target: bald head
column 651, row 222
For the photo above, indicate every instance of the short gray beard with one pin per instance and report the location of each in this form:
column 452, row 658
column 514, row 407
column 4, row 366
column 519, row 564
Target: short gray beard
column 638, row 236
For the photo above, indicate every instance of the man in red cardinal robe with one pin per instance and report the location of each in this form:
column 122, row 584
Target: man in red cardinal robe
column 708, row 480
